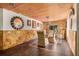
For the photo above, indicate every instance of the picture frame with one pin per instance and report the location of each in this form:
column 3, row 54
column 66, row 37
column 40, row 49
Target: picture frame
column 38, row 24
column 33, row 24
column 28, row 22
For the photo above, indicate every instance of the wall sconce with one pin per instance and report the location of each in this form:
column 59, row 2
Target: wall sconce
column 72, row 12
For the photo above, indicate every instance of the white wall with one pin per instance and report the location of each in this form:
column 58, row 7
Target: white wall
column 71, row 33
column 7, row 15
column 74, row 23
column 1, row 19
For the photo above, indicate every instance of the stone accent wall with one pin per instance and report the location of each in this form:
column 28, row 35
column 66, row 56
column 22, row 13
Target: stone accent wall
column 71, row 40
column 1, row 41
column 61, row 27
column 12, row 38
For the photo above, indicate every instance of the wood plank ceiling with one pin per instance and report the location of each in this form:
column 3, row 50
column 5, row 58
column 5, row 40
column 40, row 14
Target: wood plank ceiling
column 40, row 11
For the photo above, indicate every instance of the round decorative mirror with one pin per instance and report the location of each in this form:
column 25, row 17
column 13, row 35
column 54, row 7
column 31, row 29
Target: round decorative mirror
column 17, row 23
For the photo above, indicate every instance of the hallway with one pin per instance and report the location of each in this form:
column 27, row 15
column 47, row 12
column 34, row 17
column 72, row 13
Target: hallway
column 25, row 26
column 30, row 49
